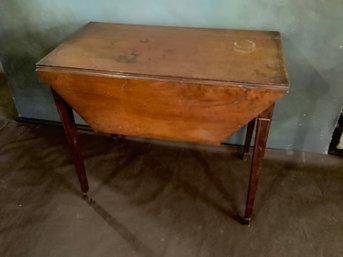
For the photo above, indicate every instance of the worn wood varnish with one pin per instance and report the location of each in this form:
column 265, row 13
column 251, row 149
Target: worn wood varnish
column 203, row 55
column 185, row 84
column 70, row 130
column 167, row 110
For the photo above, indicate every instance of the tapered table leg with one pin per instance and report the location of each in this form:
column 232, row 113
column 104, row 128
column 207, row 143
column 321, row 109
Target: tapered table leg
column 68, row 122
column 248, row 136
column 262, row 130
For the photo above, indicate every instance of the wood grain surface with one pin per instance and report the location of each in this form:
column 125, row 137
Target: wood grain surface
column 186, row 84
column 157, row 109
column 197, row 54
column 183, row 84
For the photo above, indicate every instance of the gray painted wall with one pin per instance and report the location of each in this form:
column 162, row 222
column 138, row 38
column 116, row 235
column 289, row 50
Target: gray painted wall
column 312, row 32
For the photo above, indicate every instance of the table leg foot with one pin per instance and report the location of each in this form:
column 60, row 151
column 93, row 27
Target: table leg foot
column 245, row 221
column 87, row 198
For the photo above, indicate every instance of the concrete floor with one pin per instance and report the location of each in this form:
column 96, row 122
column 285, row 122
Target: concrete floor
column 162, row 199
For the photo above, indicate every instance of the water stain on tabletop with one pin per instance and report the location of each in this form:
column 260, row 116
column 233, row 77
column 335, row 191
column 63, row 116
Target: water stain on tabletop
column 144, row 40
column 128, row 58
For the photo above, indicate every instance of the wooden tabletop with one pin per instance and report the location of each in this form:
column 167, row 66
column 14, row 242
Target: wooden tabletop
column 211, row 56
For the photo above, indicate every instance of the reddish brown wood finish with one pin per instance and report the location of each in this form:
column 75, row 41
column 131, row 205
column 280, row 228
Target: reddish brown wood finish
column 248, row 136
column 184, row 84
column 262, row 130
column 160, row 109
column 198, row 54
column 68, row 122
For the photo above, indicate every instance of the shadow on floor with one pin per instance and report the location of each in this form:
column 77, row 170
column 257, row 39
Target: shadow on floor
column 152, row 199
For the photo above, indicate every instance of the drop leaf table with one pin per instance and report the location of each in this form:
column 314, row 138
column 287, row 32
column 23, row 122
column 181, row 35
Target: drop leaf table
column 185, row 84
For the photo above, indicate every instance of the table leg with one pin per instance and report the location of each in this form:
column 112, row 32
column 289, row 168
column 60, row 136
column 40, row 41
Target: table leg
column 248, row 136
column 262, row 129
column 70, row 130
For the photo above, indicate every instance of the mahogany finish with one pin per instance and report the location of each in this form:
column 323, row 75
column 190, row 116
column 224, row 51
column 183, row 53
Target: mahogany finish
column 158, row 109
column 262, row 130
column 185, row 84
column 70, row 130
column 202, row 55
column 248, row 137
